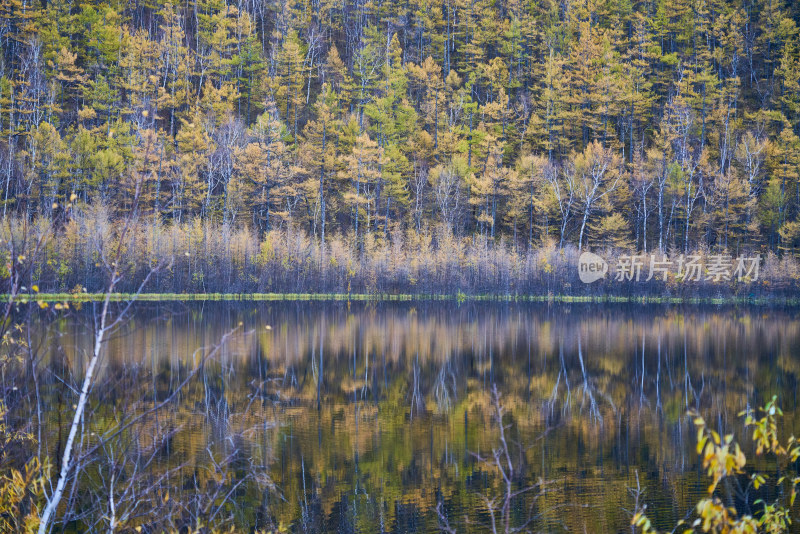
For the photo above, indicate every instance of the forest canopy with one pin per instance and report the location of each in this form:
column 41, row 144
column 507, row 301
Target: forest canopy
column 650, row 125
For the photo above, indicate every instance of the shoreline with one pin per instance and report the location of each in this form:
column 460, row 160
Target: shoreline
column 401, row 297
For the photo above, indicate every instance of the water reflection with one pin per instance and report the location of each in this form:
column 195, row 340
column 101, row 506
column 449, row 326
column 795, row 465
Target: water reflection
column 364, row 417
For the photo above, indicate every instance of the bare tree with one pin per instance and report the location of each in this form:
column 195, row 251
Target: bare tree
column 104, row 323
column 642, row 183
column 564, row 192
column 447, row 186
column 751, row 153
column 418, row 182
column 597, row 178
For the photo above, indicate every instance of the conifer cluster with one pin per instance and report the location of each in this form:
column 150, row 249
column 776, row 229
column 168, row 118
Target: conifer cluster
column 647, row 124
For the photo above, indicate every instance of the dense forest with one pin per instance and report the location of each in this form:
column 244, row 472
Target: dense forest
column 647, row 125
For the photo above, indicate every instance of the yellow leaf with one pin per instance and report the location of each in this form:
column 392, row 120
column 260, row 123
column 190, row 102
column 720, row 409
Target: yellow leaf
column 700, row 444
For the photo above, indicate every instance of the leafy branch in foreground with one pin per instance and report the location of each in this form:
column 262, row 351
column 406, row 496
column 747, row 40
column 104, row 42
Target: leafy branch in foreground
column 724, row 461
column 21, row 490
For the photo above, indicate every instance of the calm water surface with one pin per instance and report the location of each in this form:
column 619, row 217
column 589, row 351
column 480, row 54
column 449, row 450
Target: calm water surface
column 364, row 417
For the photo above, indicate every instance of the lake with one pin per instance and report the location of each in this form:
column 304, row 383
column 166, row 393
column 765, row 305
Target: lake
column 379, row 417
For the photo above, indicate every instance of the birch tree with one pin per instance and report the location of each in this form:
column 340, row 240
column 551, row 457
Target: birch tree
column 596, row 177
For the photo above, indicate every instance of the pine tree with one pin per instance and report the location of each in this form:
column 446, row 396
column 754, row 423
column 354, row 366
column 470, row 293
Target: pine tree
column 429, row 92
column 788, row 73
column 286, row 88
column 175, row 89
column 584, row 72
column 318, row 161
column 70, row 80
column 45, row 158
column 363, row 172
column 637, row 96
column 189, row 189
column 264, row 173
column 526, row 195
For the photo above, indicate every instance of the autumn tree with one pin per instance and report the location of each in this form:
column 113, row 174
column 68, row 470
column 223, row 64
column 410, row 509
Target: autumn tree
column 265, row 178
column 597, row 176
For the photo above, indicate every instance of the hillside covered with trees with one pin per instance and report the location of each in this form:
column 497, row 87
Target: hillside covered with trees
column 642, row 125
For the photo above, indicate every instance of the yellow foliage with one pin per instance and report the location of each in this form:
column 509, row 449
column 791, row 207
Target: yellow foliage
column 21, row 490
column 721, row 458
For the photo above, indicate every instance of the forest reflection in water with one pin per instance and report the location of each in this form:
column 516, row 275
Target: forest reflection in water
column 363, row 417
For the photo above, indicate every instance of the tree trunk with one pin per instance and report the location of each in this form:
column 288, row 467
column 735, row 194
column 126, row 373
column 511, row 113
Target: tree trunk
column 55, row 499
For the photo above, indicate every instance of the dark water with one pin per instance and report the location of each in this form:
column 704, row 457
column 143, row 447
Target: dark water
column 364, row 417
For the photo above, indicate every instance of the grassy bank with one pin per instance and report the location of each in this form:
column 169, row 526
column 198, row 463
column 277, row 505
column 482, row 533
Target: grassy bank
column 397, row 297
